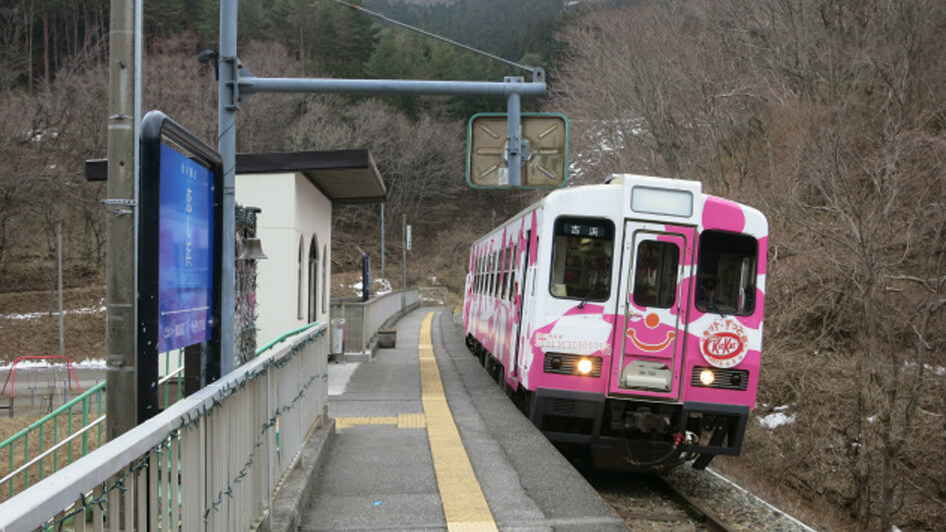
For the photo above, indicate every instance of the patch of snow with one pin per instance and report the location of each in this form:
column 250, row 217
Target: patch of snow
column 38, row 315
column 776, row 419
column 55, row 363
column 379, row 287
column 382, row 287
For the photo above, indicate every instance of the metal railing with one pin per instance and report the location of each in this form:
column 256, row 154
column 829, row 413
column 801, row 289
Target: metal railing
column 212, row 460
column 49, row 449
column 363, row 319
column 62, row 436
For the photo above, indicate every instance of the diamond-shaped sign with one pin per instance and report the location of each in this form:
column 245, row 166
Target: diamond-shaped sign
column 544, row 150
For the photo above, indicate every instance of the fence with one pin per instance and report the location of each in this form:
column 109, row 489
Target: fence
column 364, row 318
column 62, row 436
column 212, row 460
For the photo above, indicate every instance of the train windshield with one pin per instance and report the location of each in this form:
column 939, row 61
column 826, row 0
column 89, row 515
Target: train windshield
column 582, row 252
column 726, row 273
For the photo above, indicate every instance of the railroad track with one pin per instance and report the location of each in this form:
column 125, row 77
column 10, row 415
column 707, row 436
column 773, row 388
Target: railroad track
column 652, row 503
column 688, row 500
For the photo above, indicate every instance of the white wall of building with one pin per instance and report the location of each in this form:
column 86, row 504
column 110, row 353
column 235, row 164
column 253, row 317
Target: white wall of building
column 294, row 215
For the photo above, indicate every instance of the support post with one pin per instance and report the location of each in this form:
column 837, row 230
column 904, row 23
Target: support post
column 62, row 324
column 382, row 240
column 124, row 115
column 226, row 145
column 403, row 252
column 514, row 144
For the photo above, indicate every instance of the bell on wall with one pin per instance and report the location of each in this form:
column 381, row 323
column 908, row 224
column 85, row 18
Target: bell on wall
column 252, row 250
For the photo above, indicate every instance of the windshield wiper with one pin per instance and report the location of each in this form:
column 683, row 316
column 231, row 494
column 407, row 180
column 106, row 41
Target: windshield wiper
column 594, row 287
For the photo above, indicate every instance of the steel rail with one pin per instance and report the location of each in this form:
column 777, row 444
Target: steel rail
column 710, row 519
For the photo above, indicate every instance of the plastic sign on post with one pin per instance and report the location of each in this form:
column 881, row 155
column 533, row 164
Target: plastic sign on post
column 544, row 150
column 179, row 250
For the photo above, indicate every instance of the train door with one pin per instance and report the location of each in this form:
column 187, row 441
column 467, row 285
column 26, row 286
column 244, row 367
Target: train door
column 655, row 287
column 522, row 278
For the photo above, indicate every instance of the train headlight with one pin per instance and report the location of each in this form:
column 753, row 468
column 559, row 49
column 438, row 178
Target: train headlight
column 585, row 366
column 721, row 378
column 707, row 377
column 575, row 365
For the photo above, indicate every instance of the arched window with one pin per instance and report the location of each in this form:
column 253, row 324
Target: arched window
column 313, row 279
column 299, row 286
column 325, row 288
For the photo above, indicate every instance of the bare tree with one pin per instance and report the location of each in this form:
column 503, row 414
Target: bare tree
column 829, row 116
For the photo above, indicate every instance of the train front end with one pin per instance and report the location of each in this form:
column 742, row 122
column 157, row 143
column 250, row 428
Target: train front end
column 646, row 348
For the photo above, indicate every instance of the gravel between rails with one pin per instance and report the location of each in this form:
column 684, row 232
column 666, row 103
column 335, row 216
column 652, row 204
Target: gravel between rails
column 646, row 507
column 739, row 508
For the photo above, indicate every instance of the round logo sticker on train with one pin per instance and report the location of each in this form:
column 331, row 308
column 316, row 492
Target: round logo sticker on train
column 724, row 343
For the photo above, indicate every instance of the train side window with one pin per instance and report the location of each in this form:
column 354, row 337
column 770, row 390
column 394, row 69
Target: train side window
column 655, row 277
column 582, row 251
column 726, row 273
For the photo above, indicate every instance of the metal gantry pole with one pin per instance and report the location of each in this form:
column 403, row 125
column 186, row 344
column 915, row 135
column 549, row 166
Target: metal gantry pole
column 227, row 105
column 237, row 83
column 514, row 146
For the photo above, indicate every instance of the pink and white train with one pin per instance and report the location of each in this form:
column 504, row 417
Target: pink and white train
column 625, row 319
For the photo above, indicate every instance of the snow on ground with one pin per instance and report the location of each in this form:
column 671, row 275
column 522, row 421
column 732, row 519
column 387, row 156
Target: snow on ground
column 777, row 419
column 37, row 315
column 379, row 287
column 30, row 364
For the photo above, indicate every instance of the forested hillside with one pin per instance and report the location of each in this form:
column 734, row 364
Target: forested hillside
column 54, row 96
column 830, row 116
column 827, row 115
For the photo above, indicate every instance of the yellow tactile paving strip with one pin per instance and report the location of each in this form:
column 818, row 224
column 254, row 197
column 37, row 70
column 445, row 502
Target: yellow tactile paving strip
column 403, row 421
column 464, row 505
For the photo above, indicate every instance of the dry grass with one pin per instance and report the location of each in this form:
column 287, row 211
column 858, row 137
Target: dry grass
column 39, row 335
column 32, row 448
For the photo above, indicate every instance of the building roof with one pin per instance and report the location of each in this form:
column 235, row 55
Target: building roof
column 344, row 176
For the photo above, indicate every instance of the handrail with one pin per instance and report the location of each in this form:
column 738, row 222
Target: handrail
column 188, row 433
column 171, row 375
column 67, row 408
column 54, row 413
column 52, row 449
column 282, row 338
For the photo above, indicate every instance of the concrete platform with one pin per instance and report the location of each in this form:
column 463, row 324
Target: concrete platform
column 379, row 471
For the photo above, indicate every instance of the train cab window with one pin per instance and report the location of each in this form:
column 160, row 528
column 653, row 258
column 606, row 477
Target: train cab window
column 582, row 252
column 655, row 276
column 726, row 273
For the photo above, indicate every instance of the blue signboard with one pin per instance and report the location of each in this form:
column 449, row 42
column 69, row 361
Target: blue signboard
column 180, row 185
column 185, row 251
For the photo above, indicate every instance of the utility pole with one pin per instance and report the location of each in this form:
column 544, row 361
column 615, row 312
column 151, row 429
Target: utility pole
column 382, row 240
column 403, row 252
column 124, row 118
column 62, row 313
